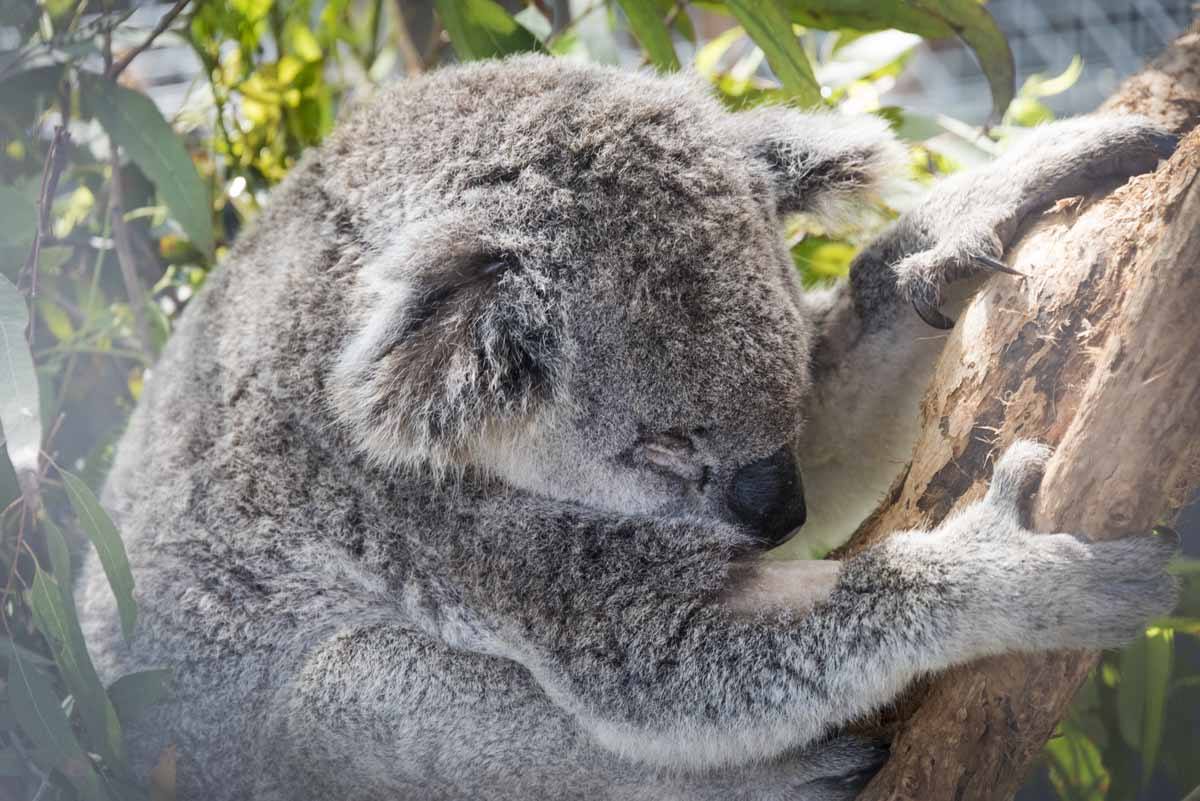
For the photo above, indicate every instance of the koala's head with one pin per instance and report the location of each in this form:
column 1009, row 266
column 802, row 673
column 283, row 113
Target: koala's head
column 575, row 280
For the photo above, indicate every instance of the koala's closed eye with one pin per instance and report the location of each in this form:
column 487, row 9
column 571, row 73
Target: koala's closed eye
column 668, row 453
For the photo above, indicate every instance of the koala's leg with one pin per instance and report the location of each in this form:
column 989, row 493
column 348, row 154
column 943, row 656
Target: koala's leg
column 626, row 624
column 880, row 330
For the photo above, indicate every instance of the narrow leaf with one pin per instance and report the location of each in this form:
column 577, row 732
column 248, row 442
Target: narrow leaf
column 483, row 29
column 54, row 614
column 1142, row 694
column 60, row 555
column 650, row 29
column 930, row 19
column 19, row 417
column 972, row 23
column 136, row 124
column 99, row 528
column 134, row 693
column 10, row 650
column 766, row 24
column 43, row 721
column 1160, row 655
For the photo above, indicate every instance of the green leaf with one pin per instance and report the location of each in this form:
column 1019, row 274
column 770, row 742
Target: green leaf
column 931, row 19
column 650, row 29
column 136, row 124
column 766, row 24
column 1076, row 767
column 19, row 418
column 99, row 528
column 1142, row 694
column 9, row 650
column 972, row 23
column 134, row 693
column 866, row 55
column 41, row 717
column 483, row 29
column 821, row 258
column 54, row 614
column 60, row 555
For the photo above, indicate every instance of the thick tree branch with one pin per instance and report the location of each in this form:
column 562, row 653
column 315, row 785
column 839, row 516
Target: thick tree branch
column 1095, row 354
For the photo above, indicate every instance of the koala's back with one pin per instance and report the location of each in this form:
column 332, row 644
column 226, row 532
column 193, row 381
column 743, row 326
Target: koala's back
column 213, row 484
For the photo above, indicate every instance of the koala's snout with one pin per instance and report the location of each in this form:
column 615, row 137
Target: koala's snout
column 768, row 496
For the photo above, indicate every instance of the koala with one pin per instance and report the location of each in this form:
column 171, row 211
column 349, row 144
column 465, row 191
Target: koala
column 456, row 479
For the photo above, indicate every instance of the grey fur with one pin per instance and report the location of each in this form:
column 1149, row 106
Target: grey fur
column 425, row 499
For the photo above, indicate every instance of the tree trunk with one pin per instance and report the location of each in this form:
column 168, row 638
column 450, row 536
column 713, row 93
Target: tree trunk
column 1098, row 354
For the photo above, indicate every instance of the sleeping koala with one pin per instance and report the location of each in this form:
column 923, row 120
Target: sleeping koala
column 454, row 481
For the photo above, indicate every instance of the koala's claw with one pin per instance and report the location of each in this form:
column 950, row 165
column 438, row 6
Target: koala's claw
column 932, row 315
column 996, row 265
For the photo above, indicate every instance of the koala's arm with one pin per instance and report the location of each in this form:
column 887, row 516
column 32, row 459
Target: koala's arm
column 880, row 332
column 639, row 628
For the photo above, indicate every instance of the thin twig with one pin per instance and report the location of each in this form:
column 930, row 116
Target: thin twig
column 56, row 159
column 125, row 257
column 118, row 67
column 413, row 65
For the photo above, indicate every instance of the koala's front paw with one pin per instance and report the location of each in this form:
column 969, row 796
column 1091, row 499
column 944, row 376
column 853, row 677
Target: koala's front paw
column 967, row 223
column 1063, row 591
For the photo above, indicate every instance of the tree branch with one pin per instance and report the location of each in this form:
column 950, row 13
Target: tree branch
column 1096, row 355
column 115, row 69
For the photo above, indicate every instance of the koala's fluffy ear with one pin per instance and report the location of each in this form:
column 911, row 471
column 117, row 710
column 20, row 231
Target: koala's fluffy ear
column 457, row 343
column 821, row 163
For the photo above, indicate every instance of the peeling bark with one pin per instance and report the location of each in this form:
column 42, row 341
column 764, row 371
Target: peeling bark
column 1098, row 354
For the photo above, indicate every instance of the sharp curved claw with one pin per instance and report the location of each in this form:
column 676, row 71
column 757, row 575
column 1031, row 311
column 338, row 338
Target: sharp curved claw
column 996, row 265
column 932, row 316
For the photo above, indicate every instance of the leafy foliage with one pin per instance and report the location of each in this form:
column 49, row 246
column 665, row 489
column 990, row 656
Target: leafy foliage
column 112, row 214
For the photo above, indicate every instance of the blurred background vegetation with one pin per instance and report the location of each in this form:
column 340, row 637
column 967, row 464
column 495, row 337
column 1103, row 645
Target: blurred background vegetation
column 121, row 188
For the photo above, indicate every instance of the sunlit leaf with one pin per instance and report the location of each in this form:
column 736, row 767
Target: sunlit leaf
column 483, row 29
column 865, row 55
column 99, row 528
column 710, row 54
column 19, row 409
column 651, row 30
column 771, row 30
column 968, row 20
column 136, row 124
column 821, row 258
column 1076, row 768
column 1142, row 694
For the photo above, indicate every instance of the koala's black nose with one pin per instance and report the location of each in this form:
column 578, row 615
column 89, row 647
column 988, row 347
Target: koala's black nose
column 768, row 496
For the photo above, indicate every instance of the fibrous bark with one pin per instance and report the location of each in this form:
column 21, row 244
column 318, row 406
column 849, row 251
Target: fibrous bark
column 1098, row 354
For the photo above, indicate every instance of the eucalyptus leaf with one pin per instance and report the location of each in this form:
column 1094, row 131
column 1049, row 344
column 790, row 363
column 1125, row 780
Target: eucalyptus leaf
column 137, row 126
column 10, row 650
column 968, row 20
column 651, row 30
column 60, row 555
column 19, row 409
column 41, row 717
column 99, row 528
column 771, row 30
column 134, row 693
column 483, row 29
column 1142, row 694
column 55, row 616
